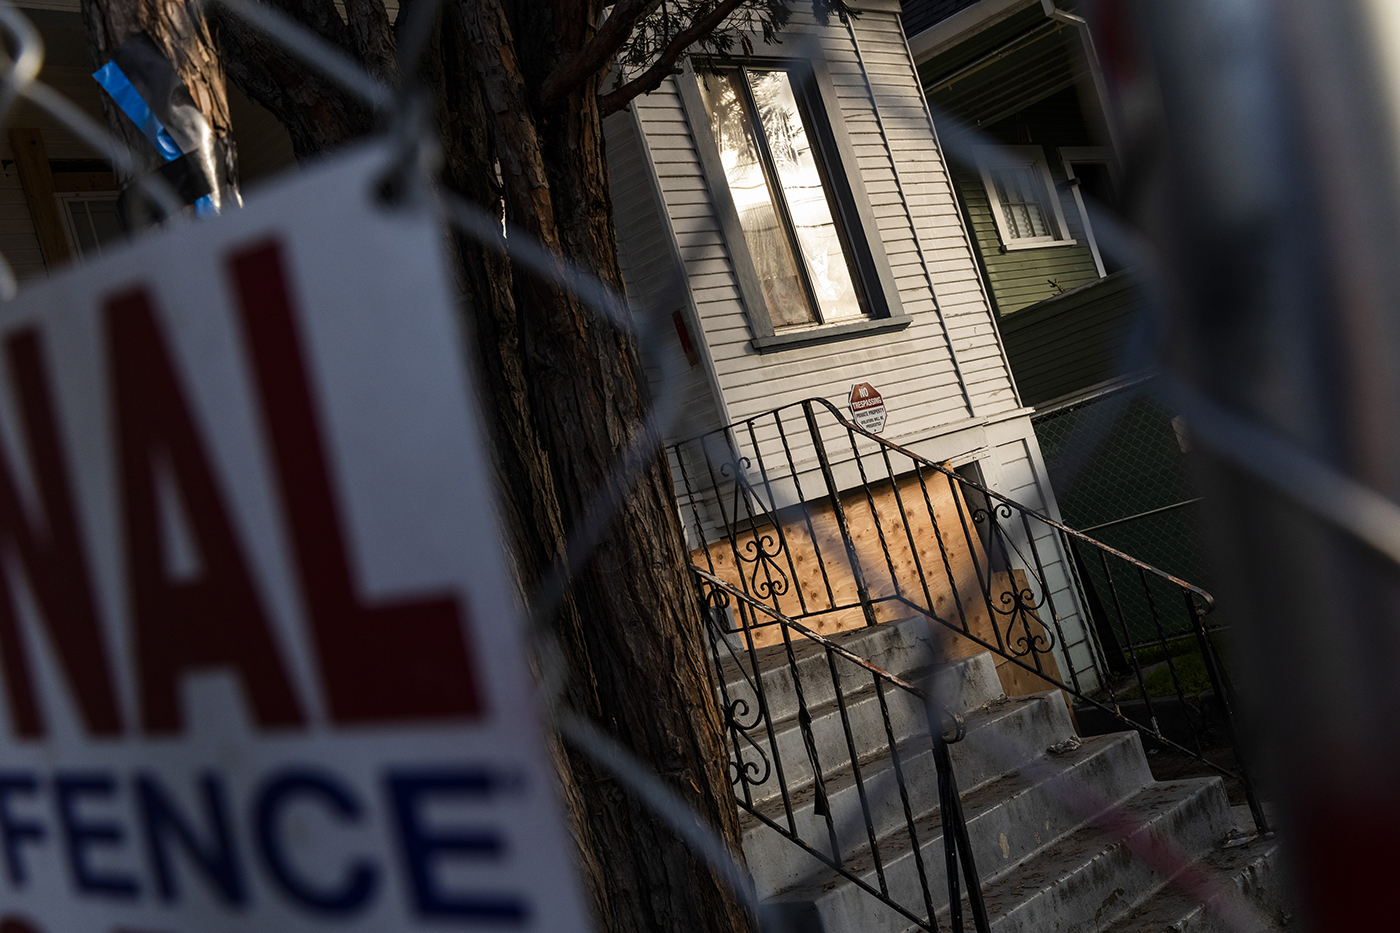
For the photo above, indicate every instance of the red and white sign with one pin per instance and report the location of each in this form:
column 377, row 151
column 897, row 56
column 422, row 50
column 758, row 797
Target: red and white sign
column 261, row 664
column 867, row 407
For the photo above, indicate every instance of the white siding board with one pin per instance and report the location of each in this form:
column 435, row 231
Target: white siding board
column 648, row 260
column 917, row 219
column 928, row 190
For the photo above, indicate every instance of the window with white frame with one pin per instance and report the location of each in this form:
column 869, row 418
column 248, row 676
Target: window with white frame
column 1022, row 196
column 91, row 221
column 1093, row 178
column 808, row 259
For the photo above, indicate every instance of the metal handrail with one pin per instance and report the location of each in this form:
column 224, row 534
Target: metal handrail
column 956, row 841
column 1205, row 597
column 803, row 630
column 1058, row 591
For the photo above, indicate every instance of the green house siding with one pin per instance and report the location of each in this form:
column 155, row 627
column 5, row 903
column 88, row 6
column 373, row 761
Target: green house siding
column 1062, row 325
column 1020, row 278
column 1073, row 341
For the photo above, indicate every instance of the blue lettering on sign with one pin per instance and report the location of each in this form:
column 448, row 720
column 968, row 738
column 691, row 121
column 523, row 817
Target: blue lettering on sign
column 202, row 841
column 82, row 836
column 361, row 878
column 14, row 831
column 216, row 858
column 423, row 848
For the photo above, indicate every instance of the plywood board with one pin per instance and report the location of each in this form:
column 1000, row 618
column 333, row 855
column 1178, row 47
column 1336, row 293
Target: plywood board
column 916, row 545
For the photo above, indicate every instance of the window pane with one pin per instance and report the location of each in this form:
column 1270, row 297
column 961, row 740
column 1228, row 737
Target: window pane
column 106, row 222
column 1018, row 189
column 94, row 221
column 796, row 168
column 82, row 226
column 758, row 215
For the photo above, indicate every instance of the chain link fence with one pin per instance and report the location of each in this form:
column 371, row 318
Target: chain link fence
column 1133, row 489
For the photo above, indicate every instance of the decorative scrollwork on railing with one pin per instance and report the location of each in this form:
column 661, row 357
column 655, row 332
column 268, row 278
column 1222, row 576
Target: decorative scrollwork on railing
column 768, row 580
column 740, row 716
column 1025, row 634
column 736, row 710
column 742, row 767
column 716, row 604
column 765, row 550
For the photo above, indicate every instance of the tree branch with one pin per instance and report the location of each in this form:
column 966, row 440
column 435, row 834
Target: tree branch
column 610, row 37
column 320, row 16
column 317, row 112
column 651, row 79
column 373, row 37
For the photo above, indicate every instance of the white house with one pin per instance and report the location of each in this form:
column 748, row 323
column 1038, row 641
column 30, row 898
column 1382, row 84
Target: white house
column 792, row 212
column 788, row 230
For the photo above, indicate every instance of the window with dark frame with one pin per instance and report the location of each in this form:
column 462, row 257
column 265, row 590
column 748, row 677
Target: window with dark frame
column 782, row 191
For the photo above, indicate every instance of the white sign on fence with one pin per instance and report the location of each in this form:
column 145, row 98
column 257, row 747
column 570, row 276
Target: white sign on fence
column 867, row 407
column 261, row 665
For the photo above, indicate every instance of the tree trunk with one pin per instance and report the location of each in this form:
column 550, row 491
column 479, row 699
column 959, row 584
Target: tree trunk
column 563, row 395
column 642, row 626
column 183, row 37
column 522, row 470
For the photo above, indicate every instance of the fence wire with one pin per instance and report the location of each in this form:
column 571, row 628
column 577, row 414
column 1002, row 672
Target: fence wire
column 1061, row 432
column 1136, row 493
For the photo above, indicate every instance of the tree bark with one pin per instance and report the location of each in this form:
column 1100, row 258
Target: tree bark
column 642, row 626
column 521, row 467
column 183, row 36
column 318, row 114
column 563, row 395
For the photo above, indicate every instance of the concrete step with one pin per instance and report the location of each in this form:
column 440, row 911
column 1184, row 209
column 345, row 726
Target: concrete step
column 1043, row 863
column 1249, row 872
column 1009, row 820
column 1000, row 736
column 1005, row 733
column 864, row 727
column 1091, row 878
column 870, row 735
column 897, row 647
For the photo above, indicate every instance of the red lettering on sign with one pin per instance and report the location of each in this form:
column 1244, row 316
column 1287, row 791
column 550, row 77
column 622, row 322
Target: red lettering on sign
column 216, row 619
column 54, row 563
column 406, row 660
column 14, row 925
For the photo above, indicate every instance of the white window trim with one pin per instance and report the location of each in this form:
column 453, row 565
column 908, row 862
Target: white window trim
column 989, row 157
column 875, row 274
column 64, row 198
column 1100, row 155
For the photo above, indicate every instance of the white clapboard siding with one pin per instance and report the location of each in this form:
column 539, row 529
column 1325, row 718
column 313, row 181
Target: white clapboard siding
column 651, row 272
column 928, row 195
column 947, row 366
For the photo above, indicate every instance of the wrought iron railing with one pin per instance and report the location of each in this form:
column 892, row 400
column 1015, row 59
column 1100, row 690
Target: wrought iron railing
column 824, row 524
column 815, row 674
